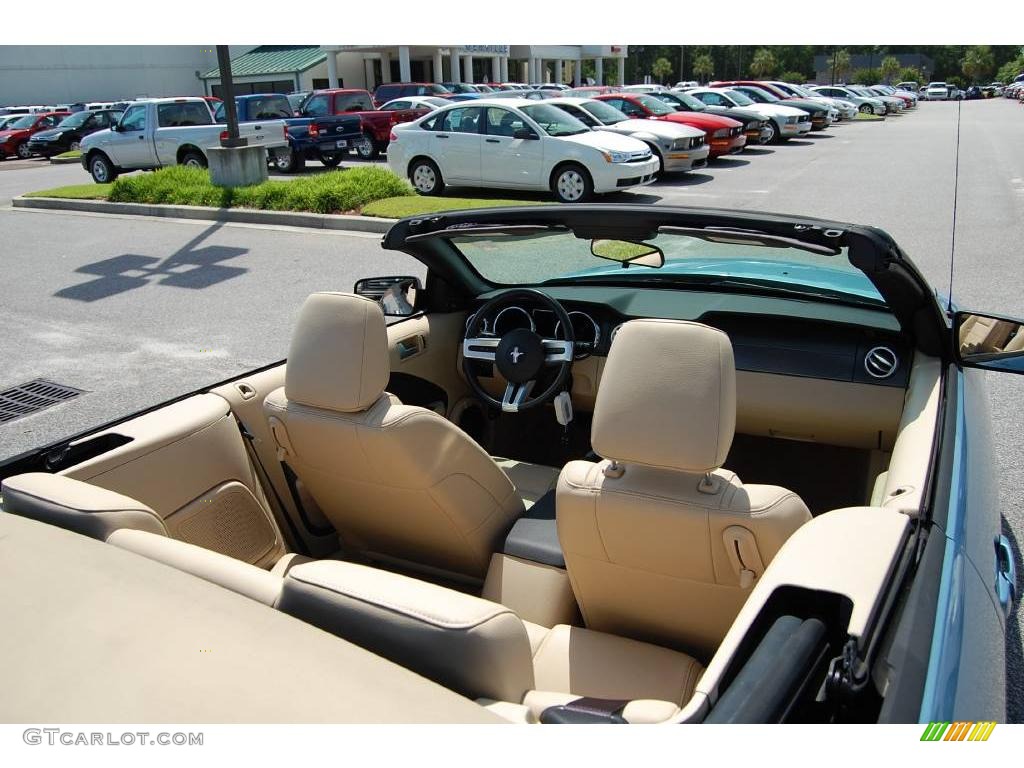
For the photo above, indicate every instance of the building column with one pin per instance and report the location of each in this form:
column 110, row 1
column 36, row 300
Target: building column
column 371, row 80
column 599, row 71
column 456, row 68
column 332, row 69
column 622, row 71
column 467, row 70
column 438, row 66
column 385, row 67
column 404, row 67
column 542, row 76
column 503, row 77
column 577, row 73
column 558, row 70
column 495, row 69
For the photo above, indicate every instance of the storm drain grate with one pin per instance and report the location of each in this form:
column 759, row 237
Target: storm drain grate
column 26, row 399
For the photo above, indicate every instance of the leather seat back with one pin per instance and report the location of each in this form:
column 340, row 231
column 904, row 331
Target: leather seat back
column 396, row 481
column 660, row 543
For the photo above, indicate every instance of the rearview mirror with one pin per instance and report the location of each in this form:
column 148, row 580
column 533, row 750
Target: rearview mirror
column 396, row 295
column 990, row 342
column 628, row 253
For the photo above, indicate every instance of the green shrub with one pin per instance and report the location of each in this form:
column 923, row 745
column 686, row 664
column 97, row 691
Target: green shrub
column 793, row 77
column 329, row 192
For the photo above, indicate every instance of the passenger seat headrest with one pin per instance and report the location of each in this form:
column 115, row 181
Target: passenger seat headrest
column 338, row 358
column 76, row 506
column 667, row 397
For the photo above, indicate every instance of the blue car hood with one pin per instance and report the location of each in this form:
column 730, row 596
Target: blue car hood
column 772, row 270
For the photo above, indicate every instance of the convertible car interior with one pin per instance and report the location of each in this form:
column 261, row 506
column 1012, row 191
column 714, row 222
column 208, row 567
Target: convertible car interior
column 566, row 498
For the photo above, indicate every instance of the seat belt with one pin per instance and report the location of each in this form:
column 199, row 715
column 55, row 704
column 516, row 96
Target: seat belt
column 585, row 710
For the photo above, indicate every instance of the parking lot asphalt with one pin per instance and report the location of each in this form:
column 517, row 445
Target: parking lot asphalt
column 137, row 310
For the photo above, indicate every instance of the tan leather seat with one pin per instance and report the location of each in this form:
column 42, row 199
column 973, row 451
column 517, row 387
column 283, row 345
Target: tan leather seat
column 398, row 482
column 660, row 543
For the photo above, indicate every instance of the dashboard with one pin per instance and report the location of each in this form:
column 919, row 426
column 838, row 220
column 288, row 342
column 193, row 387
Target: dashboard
column 773, row 336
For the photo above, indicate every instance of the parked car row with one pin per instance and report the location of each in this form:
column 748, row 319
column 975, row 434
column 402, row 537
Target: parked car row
column 594, row 140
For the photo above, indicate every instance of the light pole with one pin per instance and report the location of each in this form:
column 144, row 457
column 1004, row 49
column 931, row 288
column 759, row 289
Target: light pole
column 227, row 86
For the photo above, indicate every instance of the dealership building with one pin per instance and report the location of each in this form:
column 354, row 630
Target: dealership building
column 62, row 74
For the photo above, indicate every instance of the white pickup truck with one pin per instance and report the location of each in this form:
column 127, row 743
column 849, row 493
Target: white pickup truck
column 154, row 133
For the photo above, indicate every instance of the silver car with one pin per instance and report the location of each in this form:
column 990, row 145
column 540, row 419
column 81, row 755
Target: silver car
column 868, row 105
column 679, row 148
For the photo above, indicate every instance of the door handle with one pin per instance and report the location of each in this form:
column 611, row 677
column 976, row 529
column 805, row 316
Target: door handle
column 493, row 141
column 1006, row 575
column 142, row 138
column 258, row 128
column 442, row 136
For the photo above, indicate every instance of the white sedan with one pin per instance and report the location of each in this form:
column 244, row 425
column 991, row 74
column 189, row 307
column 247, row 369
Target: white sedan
column 517, row 144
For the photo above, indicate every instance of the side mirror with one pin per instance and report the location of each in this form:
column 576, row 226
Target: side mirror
column 525, row 133
column 989, row 341
column 115, row 127
column 396, row 295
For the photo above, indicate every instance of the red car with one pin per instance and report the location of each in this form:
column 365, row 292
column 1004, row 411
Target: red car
column 725, row 135
column 14, row 138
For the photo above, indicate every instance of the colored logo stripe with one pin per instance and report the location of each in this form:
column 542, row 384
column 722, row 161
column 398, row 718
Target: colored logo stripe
column 959, row 731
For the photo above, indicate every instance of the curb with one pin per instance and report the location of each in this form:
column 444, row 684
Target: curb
column 65, row 160
column 201, row 213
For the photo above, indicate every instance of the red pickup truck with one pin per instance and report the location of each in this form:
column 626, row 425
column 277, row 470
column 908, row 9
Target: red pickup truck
column 353, row 101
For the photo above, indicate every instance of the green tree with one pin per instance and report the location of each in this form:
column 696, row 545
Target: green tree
column 793, row 77
column 763, row 64
column 841, row 65
column 1010, row 70
column 661, row 69
column 866, row 76
column 889, row 68
column 911, row 75
column 703, row 67
column 978, row 63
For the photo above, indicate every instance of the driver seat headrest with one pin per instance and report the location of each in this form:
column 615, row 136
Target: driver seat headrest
column 667, row 397
column 338, row 358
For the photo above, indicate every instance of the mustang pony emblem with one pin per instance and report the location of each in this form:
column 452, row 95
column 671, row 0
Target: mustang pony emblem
column 515, row 355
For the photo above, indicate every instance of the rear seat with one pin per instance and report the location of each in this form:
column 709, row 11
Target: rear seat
column 481, row 649
column 129, row 524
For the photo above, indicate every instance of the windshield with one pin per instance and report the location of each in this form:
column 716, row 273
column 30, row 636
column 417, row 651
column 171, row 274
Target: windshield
column 692, row 103
column 741, row 99
column 606, row 113
column 25, row 122
column 799, row 90
column 759, row 95
column 76, row 120
column 558, row 256
column 555, row 122
column 654, row 105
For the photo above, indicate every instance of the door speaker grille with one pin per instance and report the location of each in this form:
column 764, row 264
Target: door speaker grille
column 34, row 396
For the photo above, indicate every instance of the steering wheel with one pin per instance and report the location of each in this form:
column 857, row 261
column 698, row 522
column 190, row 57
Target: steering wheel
column 521, row 355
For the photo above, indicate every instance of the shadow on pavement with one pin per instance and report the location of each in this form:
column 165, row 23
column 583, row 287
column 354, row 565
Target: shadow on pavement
column 729, row 162
column 188, row 267
column 755, row 151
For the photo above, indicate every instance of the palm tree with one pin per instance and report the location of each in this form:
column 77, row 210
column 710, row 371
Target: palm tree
column 889, row 68
column 661, row 69
column 763, row 64
column 703, row 67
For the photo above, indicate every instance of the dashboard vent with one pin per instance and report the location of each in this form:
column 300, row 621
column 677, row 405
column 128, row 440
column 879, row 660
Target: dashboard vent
column 881, row 362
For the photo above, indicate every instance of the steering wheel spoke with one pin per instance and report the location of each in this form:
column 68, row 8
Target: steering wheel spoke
column 536, row 367
column 480, row 348
column 557, row 351
column 515, row 396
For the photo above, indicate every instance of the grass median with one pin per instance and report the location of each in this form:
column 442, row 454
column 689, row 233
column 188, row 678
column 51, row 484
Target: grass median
column 369, row 191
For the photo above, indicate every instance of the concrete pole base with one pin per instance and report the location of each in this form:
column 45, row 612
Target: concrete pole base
column 237, row 166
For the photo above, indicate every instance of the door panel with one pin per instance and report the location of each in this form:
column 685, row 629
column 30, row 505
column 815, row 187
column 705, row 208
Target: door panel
column 427, row 346
column 188, row 463
column 506, row 160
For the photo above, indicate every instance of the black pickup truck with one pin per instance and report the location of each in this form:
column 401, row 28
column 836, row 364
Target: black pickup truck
column 327, row 138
